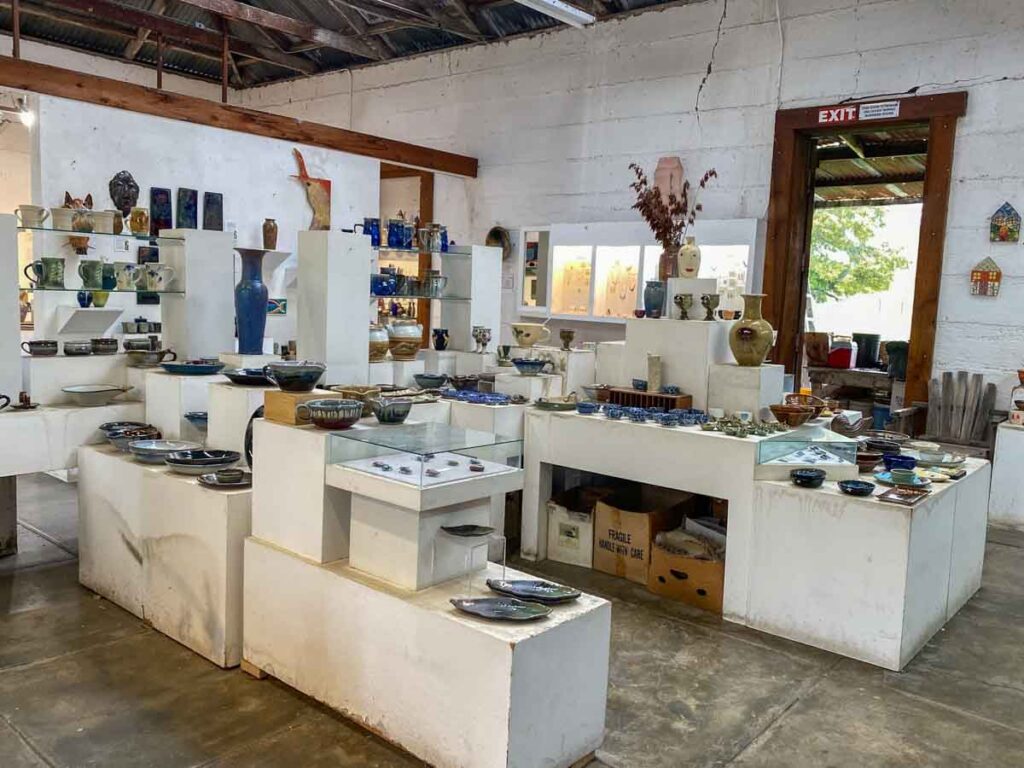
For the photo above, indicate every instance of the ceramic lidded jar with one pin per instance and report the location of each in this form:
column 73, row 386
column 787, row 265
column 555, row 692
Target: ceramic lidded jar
column 378, row 343
column 752, row 336
column 404, row 339
column 688, row 259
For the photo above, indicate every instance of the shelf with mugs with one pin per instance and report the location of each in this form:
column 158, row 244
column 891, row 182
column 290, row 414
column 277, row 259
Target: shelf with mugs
column 410, row 252
column 416, row 297
column 45, row 289
column 125, row 235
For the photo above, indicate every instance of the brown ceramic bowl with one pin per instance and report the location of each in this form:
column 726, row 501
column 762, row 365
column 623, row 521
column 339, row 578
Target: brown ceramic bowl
column 868, row 460
column 792, row 415
column 809, row 401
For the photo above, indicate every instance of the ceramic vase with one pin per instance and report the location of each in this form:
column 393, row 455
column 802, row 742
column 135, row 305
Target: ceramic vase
column 270, row 234
column 378, row 343
column 251, row 302
column 654, row 298
column 751, row 337
column 688, row 259
column 404, row 338
column 440, row 339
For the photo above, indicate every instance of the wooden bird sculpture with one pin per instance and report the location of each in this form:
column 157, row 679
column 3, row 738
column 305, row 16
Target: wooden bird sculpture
column 318, row 193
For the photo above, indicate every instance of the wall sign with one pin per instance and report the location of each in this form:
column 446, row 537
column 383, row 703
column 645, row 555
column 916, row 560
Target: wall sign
column 854, row 113
column 985, row 278
column 1004, row 226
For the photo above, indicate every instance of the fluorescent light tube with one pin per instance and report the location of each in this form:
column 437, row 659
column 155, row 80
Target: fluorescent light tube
column 563, row 12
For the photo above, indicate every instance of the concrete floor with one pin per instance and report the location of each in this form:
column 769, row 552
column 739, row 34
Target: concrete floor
column 82, row 683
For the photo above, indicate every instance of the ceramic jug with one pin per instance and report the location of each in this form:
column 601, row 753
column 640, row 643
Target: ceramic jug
column 91, row 272
column 47, row 272
column 528, row 334
column 126, row 275
column 31, row 215
column 156, row 277
column 751, row 337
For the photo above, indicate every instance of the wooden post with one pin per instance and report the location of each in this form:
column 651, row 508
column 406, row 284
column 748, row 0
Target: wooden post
column 224, row 66
column 8, row 515
column 159, row 62
column 16, row 28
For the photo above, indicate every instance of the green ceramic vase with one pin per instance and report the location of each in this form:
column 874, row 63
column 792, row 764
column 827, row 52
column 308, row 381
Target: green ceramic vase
column 751, row 337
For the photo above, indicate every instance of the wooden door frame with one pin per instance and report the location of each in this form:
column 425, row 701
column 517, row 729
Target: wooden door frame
column 789, row 217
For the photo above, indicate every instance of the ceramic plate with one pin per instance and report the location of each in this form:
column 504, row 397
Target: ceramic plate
column 247, row 376
column 885, row 478
column 210, row 481
column 537, row 591
column 950, row 460
column 192, row 369
column 555, row 405
column 501, row 608
column 466, row 531
column 935, row 477
column 197, row 471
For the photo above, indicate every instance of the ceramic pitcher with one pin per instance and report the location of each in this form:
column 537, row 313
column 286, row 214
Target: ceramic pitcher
column 91, row 273
column 126, row 275
column 47, row 272
column 156, row 277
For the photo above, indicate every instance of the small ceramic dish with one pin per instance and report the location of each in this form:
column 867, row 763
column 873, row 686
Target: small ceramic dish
column 856, row 487
column 615, row 414
column 249, row 377
column 807, row 478
column 155, row 451
column 501, row 608
column 543, row 592
column 122, row 438
column 214, row 480
column 200, row 462
column 587, row 408
column 91, row 395
column 567, row 403
column 430, row 380
column 193, row 367
column 468, row 383
column 118, row 426
column 886, row 478
column 467, row 531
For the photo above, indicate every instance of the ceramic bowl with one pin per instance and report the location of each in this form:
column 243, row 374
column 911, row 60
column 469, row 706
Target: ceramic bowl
column 198, row 419
column 200, row 462
column 792, row 415
column 121, row 439
column 331, row 413
column 807, row 478
column 868, row 460
column 640, row 385
column 898, row 461
column 639, row 313
column 40, row 347
column 148, row 358
column 155, row 451
column 884, row 447
column 670, row 389
column 251, row 377
column 615, row 414
column 903, row 476
column 529, row 366
column 77, row 348
column 193, row 367
column 856, row 487
column 933, row 457
column 391, row 410
column 295, row 376
column 104, row 346
column 587, row 408
column 883, row 434
column 468, row 383
column 120, row 426
column 667, row 419
column 637, row 415
column 89, row 395
column 230, row 475
column 430, row 380
column 136, row 345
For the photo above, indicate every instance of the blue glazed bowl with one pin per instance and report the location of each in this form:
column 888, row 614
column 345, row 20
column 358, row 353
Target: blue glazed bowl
column 613, row 413
column 383, row 285
column 430, row 380
column 391, row 410
column 295, row 376
column 193, row 367
column 856, row 487
column 670, row 389
column 807, row 478
column 640, row 385
column 587, row 408
column 637, row 415
column 666, row 420
column 897, row 461
column 529, row 366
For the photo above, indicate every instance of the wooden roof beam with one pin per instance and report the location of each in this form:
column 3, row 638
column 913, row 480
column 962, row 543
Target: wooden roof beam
column 134, row 46
column 868, row 181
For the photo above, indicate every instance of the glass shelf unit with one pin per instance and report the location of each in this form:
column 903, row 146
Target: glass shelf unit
column 454, row 251
column 808, row 445
column 40, row 289
column 394, row 297
column 105, row 235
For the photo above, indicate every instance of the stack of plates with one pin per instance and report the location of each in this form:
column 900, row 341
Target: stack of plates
column 155, row 451
column 200, row 462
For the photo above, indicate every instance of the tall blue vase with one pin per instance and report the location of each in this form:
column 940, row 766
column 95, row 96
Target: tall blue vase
column 251, row 302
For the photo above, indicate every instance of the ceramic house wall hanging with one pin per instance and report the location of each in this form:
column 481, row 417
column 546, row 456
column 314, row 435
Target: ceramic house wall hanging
column 985, row 278
column 1004, row 226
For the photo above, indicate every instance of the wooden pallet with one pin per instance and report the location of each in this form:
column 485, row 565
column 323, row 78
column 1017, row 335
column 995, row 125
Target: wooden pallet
column 634, row 398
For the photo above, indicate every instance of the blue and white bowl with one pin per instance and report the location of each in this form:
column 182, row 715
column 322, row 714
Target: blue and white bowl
column 587, row 408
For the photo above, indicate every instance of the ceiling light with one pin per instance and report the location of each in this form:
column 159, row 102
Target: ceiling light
column 563, row 12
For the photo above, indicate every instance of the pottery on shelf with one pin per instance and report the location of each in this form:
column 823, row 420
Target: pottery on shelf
column 482, row 337
column 138, row 221
column 683, row 302
column 103, row 346
column 40, row 347
column 331, row 413
column 751, row 337
column 148, row 358
column 430, row 380
column 530, row 366
column 294, row 375
column 528, row 334
column 90, row 395
column 688, row 259
column 440, row 336
column 122, row 438
column 155, row 451
column 32, row 216
column 201, row 367
column 154, row 277
column 654, row 298
column 91, row 273
column 77, row 348
column 200, row 462
column 710, row 303
column 807, row 478
column 404, row 339
column 47, row 272
column 251, row 302
column 378, row 343
column 566, row 335
column 269, row 234
column 246, row 376
column 391, row 410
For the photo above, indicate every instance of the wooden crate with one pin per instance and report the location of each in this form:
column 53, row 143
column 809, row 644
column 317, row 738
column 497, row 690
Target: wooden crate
column 634, row 398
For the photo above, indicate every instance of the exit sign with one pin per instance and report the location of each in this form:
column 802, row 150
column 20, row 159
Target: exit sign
column 855, row 113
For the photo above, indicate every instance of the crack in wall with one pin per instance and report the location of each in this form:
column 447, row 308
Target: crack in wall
column 711, row 60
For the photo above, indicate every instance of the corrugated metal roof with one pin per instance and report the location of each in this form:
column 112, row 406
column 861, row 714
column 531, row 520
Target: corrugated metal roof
column 435, row 25
column 875, row 166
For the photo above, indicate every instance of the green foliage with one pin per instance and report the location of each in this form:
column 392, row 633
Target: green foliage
column 844, row 262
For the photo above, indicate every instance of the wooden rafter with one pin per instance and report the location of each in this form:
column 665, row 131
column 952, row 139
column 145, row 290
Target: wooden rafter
column 131, row 50
column 873, row 150
column 304, row 30
column 869, row 181
column 358, row 24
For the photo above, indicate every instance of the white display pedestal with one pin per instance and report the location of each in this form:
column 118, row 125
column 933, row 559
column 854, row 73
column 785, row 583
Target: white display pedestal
column 1006, row 501
column 10, row 316
column 45, row 377
column 136, row 379
column 450, row 689
column 291, row 505
column 475, row 273
column 230, row 408
column 469, row 363
column 576, row 366
column 200, row 323
column 611, row 363
column 438, row 412
column 235, row 360
column 169, row 397
column 439, row 362
column 695, row 287
column 733, row 388
column 402, row 372
column 164, row 548
column 688, row 348
column 47, row 438
column 532, row 387
column 860, row 577
column 504, row 420
column 334, row 308
column 382, row 373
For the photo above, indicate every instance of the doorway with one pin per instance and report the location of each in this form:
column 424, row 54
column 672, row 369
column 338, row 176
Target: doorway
column 815, row 168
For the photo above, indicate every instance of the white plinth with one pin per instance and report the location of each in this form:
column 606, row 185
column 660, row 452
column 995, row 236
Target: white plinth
column 733, row 388
column 468, row 363
column 610, row 363
column 687, row 349
column 230, row 407
column 291, row 505
column 382, row 373
column 164, row 548
column 452, row 690
column 439, row 362
column 531, row 387
column 334, row 309
column 862, row 578
column 474, row 273
column 48, row 438
column 235, row 360
column 576, row 366
column 437, row 412
column 404, row 370
column 169, row 397
column 1006, row 502
column 695, row 287
column 45, row 377
column 504, row 420
column 136, row 379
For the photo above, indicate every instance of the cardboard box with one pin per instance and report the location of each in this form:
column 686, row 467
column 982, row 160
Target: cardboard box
column 571, row 524
column 700, row 583
column 623, row 535
column 279, row 406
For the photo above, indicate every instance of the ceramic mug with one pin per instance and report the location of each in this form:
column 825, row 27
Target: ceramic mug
column 126, row 275
column 109, row 278
column 48, row 272
column 62, row 218
column 138, row 221
column 103, row 222
column 155, row 277
column 528, row 334
column 91, row 272
column 31, row 215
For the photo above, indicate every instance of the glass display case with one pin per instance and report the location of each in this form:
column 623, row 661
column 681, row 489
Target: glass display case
column 807, row 446
column 424, row 455
column 572, row 266
column 616, row 276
